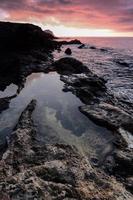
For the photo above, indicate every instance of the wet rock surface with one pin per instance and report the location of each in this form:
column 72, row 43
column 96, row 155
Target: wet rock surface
column 58, row 171
column 109, row 115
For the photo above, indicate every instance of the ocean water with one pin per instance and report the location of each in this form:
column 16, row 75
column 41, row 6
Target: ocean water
column 112, row 59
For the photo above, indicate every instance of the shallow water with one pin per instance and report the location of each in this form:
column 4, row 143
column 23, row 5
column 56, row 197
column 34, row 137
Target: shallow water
column 57, row 117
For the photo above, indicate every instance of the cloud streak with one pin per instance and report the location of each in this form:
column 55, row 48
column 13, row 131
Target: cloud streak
column 115, row 15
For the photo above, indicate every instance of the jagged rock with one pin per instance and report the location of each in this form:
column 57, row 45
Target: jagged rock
column 108, row 115
column 88, row 87
column 68, row 51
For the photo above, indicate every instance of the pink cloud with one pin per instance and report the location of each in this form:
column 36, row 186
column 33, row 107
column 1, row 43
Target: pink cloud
column 115, row 14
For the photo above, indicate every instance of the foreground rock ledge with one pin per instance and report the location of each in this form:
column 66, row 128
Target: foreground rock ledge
column 53, row 171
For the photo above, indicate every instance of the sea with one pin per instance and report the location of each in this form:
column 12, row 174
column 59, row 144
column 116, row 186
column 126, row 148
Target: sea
column 111, row 58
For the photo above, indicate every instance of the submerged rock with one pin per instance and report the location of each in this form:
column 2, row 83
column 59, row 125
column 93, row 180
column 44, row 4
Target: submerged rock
column 68, row 51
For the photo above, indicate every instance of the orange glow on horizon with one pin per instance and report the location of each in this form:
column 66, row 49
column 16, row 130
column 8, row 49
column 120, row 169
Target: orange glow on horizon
column 64, row 31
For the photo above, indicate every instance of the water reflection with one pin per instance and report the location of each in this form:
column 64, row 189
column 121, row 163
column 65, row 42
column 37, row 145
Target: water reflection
column 57, row 117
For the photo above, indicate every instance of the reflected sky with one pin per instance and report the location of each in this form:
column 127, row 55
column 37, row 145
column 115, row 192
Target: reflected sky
column 57, row 117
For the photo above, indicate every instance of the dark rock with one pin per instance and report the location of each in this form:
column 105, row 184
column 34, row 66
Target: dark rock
column 129, row 184
column 92, row 47
column 69, row 66
column 103, row 49
column 81, row 46
column 68, row 51
column 17, row 36
column 108, row 115
column 124, row 163
column 122, row 62
column 24, row 47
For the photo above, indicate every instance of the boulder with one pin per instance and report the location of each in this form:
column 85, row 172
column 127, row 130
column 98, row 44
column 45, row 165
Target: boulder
column 69, row 65
column 68, row 51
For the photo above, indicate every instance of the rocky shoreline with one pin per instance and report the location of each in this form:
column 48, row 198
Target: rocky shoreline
column 58, row 171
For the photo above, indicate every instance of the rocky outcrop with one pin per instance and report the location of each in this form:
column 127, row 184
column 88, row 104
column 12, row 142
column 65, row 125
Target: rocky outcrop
column 17, row 36
column 24, row 48
column 29, row 170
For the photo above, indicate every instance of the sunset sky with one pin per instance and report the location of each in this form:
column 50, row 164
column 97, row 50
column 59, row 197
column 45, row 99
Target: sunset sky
column 73, row 17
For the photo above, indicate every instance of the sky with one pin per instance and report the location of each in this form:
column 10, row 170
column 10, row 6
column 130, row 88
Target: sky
column 73, row 17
